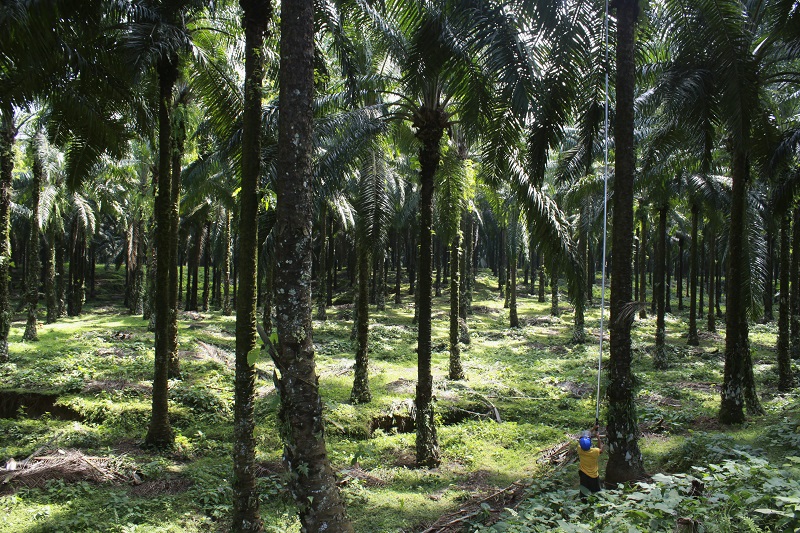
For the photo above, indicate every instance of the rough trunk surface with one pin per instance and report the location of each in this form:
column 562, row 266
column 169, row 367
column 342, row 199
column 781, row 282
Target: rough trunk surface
column 659, row 291
column 625, row 458
column 456, row 369
column 360, row 392
column 160, row 433
column 785, row 380
column 313, row 482
column 430, row 125
column 7, row 136
column 34, row 265
column 737, row 344
column 694, row 267
column 245, row 496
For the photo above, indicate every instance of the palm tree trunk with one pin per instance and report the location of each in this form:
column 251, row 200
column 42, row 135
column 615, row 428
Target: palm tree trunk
column 34, row 266
column 694, row 266
column 679, row 288
column 769, row 271
column 643, row 266
column 430, row 125
column 659, row 293
column 625, row 459
column 206, row 261
column 785, row 381
column 464, row 262
column 555, row 310
column 7, row 135
column 398, row 273
column 711, row 324
column 227, row 308
column 257, row 14
column 360, row 392
column 667, row 271
column 179, row 117
column 50, row 278
column 322, row 275
column 159, row 433
column 61, row 275
column 501, row 267
column 512, row 289
column 456, row 370
column 737, row 344
column 320, row 506
column 541, row 278
column 794, row 276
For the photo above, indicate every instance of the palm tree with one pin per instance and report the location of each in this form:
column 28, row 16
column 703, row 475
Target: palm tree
column 33, row 265
column 257, row 14
column 314, row 488
column 625, row 458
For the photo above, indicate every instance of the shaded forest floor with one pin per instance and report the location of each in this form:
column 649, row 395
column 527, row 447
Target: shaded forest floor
column 76, row 405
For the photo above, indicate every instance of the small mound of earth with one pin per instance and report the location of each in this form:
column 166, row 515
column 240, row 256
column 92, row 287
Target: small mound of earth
column 401, row 385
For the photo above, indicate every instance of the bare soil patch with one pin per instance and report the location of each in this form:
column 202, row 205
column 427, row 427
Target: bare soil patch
column 34, row 405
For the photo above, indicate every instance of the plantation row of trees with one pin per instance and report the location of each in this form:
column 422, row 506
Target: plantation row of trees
column 403, row 137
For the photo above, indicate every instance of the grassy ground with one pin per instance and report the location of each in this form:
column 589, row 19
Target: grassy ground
column 97, row 370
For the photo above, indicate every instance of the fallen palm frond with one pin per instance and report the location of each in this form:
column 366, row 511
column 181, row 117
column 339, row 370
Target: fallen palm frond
column 67, row 465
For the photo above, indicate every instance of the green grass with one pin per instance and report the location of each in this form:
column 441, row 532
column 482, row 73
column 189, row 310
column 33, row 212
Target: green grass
column 543, row 387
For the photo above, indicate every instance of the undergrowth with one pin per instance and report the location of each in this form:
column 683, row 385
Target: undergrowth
column 539, row 385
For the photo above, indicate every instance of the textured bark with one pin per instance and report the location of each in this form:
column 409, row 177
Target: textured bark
column 178, row 121
column 7, row 136
column 501, row 267
column 313, row 482
column 694, row 266
column 34, row 265
column 512, row 290
column 61, row 278
column 430, row 124
column 737, row 342
column 785, row 380
column 794, row 277
column 206, row 261
column 227, row 308
column 456, row 370
column 769, row 289
column 679, row 274
column 643, row 268
column 245, row 496
column 555, row 310
column 398, row 273
column 463, row 284
column 322, row 275
column 711, row 323
column 659, row 293
column 667, row 271
column 160, row 433
column 541, row 279
column 50, row 278
column 625, row 458
column 360, row 392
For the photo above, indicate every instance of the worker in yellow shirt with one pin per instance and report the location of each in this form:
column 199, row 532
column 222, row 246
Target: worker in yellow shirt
column 589, row 474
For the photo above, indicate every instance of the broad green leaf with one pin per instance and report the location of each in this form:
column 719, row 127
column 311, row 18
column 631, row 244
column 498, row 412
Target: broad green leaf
column 253, row 356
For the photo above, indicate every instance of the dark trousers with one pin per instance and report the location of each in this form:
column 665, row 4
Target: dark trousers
column 592, row 484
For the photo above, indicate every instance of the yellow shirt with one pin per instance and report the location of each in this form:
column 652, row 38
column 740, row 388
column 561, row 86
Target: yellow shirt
column 589, row 461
